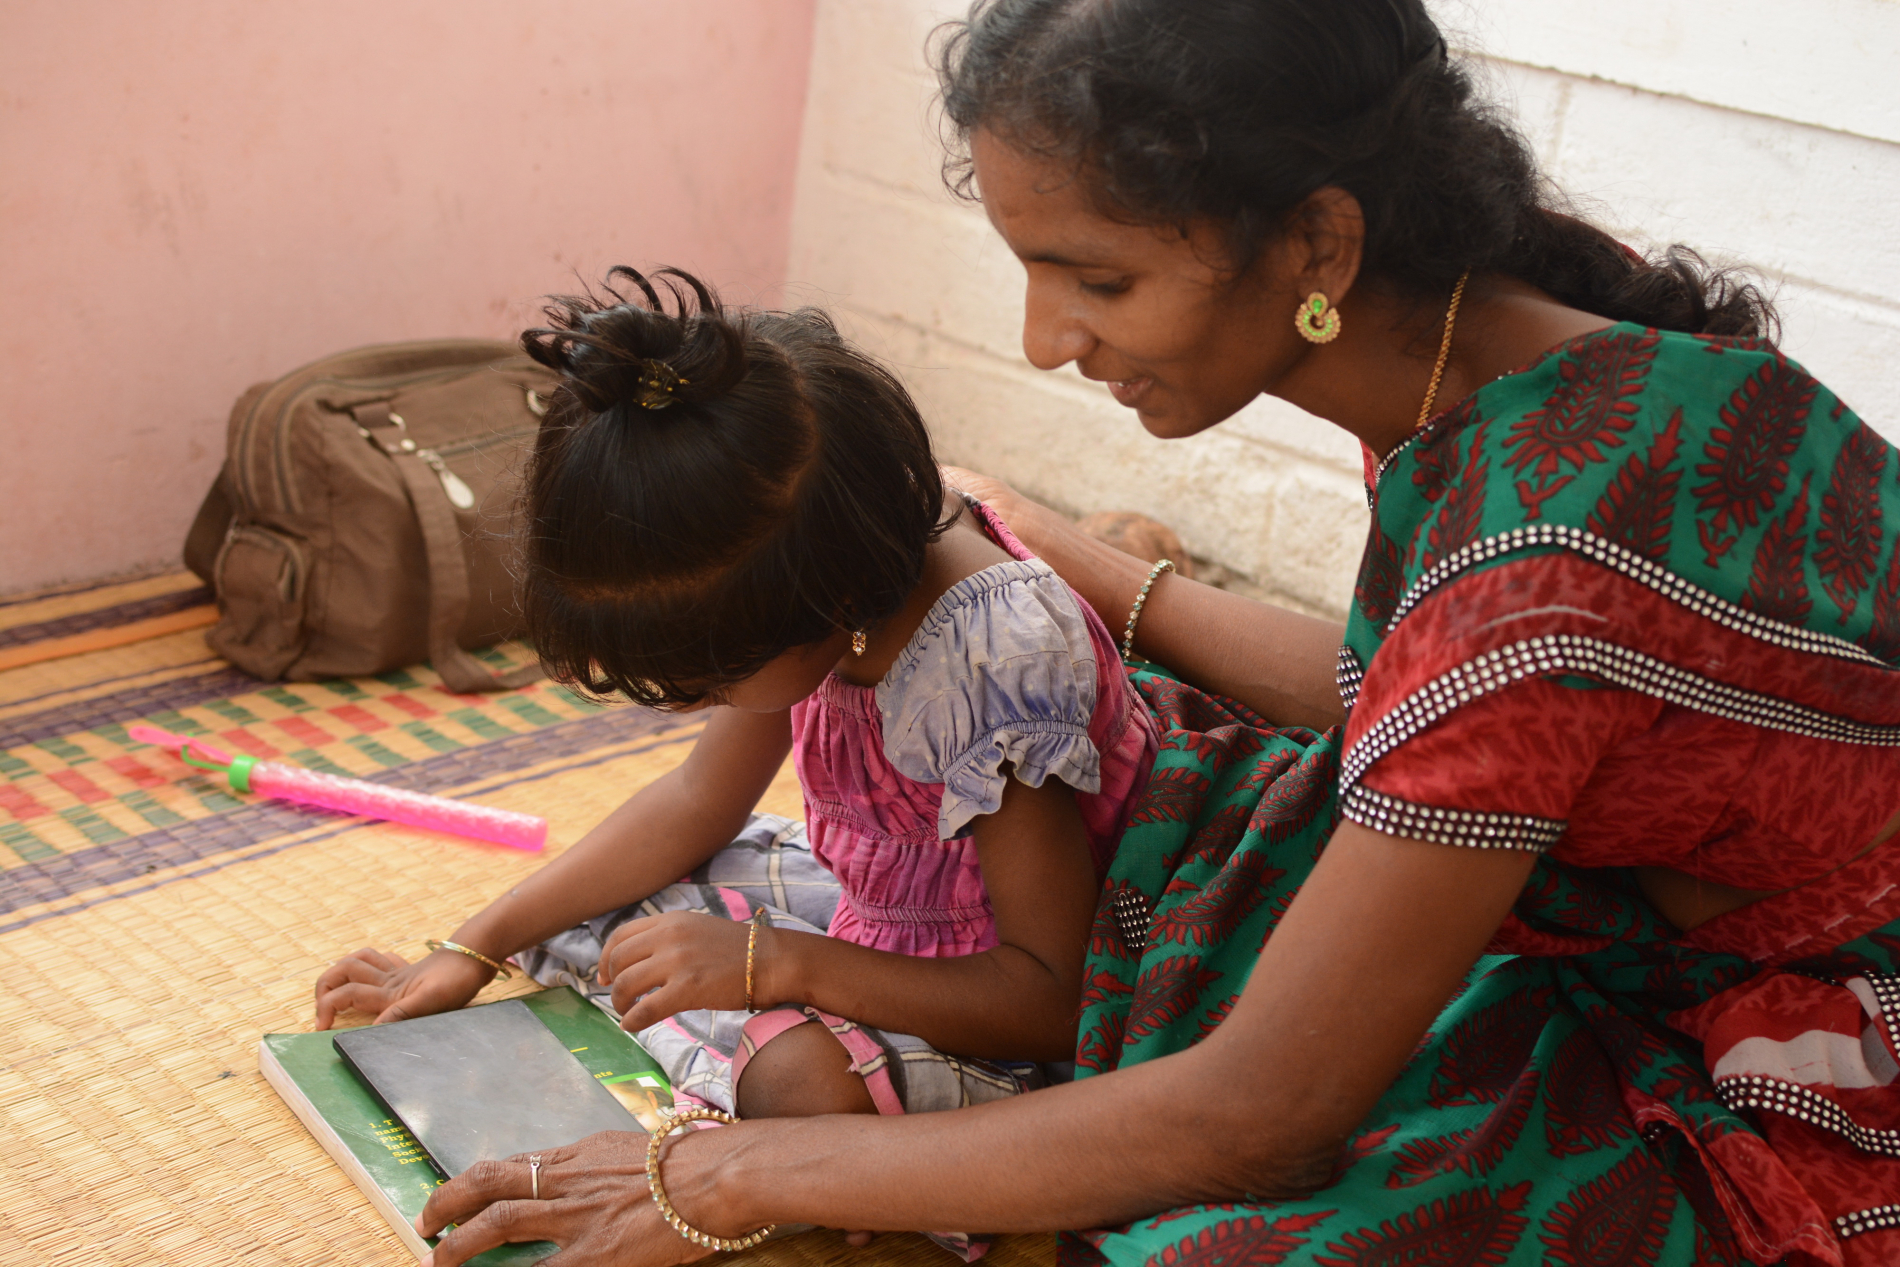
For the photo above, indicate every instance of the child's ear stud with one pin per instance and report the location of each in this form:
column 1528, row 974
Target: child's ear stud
column 857, row 642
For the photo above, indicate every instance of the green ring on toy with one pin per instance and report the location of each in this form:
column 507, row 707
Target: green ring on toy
column 238, row 773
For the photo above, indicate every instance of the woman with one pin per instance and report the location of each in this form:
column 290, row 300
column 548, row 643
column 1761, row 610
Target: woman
column 1623, row 705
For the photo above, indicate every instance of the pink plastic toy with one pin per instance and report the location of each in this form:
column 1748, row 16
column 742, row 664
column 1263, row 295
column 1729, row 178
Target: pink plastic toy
column 353, row 796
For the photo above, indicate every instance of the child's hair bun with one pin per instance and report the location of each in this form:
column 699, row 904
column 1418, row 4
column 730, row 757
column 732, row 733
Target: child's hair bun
column 712, row 487
column 631, row 350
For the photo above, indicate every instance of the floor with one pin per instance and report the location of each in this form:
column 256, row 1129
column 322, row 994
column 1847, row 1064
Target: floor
column 152, row 926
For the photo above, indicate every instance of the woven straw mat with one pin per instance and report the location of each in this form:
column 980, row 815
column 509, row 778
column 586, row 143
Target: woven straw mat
column 153, row 926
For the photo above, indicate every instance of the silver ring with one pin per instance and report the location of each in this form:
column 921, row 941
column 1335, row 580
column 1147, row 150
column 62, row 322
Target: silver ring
column 534, row 1176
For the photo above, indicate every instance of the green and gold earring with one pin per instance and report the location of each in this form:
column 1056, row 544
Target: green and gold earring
column 1316, row 319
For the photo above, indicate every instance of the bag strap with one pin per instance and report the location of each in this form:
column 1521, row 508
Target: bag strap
column 448, row 567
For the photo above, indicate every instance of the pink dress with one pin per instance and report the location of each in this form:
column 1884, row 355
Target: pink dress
column 1010, row 675
column 1010, row 667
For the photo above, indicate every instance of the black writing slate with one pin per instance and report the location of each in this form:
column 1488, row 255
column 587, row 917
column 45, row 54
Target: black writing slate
column 482, row 1083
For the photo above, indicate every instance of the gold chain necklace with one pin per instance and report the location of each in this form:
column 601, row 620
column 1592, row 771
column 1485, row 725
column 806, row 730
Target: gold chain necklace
column 1444, row 350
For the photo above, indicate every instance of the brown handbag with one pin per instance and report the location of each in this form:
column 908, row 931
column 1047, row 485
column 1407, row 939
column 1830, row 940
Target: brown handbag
column 363, row 518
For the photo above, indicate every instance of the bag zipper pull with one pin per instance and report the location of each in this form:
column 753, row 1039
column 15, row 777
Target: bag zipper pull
column 461, row 496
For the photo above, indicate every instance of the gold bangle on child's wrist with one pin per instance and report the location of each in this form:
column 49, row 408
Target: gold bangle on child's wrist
column 505, row 971
column 667, row 1212
column 751, row 948
column 1134, row 613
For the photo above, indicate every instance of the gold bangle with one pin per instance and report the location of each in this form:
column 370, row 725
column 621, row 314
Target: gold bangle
column 667, row 1212
column 505, row 971
column 751, row 947
column 1134, row 613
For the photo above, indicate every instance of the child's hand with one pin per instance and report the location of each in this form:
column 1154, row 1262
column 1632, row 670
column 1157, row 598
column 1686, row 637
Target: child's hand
column 393, row 989
column 678, row 962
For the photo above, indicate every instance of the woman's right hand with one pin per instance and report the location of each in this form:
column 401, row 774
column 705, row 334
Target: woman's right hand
column 989, row 490
column 391, row 988
column 1034, row 524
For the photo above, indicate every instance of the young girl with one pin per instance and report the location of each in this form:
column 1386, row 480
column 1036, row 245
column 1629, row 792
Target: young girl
column 739, row 512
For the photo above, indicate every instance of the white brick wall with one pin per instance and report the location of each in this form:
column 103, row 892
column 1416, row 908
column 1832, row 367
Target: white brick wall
column 1758, row 130
column 1775, row 139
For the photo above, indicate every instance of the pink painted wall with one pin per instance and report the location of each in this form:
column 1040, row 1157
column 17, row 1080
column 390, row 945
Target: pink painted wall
column 202, row 194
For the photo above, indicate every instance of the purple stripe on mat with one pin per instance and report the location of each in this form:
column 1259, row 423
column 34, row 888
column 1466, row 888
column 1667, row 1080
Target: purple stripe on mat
column 163, row 847
column 121, row 706
column 23, row 701
column 104, row 617
column 66, row 591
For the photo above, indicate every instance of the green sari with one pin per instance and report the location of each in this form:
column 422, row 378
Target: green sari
column 1648, row 571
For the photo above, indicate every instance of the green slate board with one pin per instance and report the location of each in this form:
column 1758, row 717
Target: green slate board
column 385, row 1161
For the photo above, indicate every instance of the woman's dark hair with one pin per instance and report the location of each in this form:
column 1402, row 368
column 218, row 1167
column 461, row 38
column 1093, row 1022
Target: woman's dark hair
column 1237, row 110
column 712, row 488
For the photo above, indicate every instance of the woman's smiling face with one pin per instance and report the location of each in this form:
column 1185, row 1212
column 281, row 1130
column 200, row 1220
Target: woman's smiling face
column 1142, row 308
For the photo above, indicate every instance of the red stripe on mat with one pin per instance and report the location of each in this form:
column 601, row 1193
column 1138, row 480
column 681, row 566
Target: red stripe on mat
column 104, row 639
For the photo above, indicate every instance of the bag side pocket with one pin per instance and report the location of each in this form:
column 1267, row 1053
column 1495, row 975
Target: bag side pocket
column 261, row 580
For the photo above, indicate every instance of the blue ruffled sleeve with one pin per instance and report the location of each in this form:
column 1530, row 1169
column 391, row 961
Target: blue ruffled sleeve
column 1000, row 673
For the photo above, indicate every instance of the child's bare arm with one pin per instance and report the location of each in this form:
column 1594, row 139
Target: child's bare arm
column 658, row 835
column 1016, row 1001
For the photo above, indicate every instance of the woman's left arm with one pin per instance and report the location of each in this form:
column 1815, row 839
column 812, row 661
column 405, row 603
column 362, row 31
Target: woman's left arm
column 1015, row 1001
column 1362, row 962
column 1359, row 966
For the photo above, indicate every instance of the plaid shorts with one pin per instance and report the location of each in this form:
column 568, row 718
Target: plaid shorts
column 770, row 867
